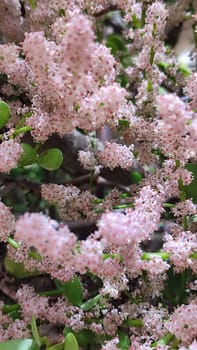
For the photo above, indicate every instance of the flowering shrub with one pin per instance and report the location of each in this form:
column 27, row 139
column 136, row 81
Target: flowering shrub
column 98, row 172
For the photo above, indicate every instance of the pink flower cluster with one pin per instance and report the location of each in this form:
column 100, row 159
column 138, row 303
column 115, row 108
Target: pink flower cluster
column 183, row 323
column 7, row 222
column 177, row 128
column 75, row 81
column 46, row 236
column 115, row 155
column 10, row 153
column 136, row 225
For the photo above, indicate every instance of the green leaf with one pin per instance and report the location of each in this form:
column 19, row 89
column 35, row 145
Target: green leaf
column 133, row 322
column 135, row 22
column 175, row 287
column 70, row 342
column 135, row 177
column 184, row 69
column 191, row 189
column 19, row 344
column 4, row 113
column 85, row 338
column 124, row 341
column 51, row 159
column 72, row 290
column 32, row 3
column 28, row 156
column 116, row 43
column 89, row 304
column 123, row 123
column 17, row 269
column 151, row 255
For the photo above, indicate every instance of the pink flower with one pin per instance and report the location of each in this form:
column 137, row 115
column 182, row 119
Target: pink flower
column 183, row 323
column 115, row 155
column 49, row 238
column 136, row 225
column 10, row 153
column 59, row 194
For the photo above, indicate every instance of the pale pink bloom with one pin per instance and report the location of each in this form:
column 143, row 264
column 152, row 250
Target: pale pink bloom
column 17, row 330
column 102, row 65
column 173, row 175
column 10, row 153
column 191, row 89
column 136, row 225
column 6, row 222
column 31, row 304
column 183, row 323
column 87, row 159
column 80, row 207
column 96, row 328
column 90, row 256
column 111, row 344
column 176, row 128
column 192, row 346
column 136, row 344
column 157, row 14
column 180, row 248
column 153, row 321
column 155, row 266
column 11, row 20
column 57, row 312
column 115, row 285
column 59, row 194
column 77, row 45
column 112, row 320
column 46, row 236
column 100, row 107
column 111, row 268
column 115, row 155
column 184, row 208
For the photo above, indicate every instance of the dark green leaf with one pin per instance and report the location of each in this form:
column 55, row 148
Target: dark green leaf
column 72, row 290
column 51, row 159
column 28, row 156
column 116, row 43
column 175, row 287
column 124, row 341
column 136, row 177
column 124, row 123
column 4, row 113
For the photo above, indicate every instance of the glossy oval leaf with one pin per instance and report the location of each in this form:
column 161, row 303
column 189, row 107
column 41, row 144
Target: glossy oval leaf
column 51, row 159
column 70, row 342
column 28, row 156
column 72, row 290
column 19, row 344
column 4, row 113
column 89, row 304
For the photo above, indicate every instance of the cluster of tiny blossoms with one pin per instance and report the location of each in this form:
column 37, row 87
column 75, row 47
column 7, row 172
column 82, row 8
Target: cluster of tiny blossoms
column 126, row 295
